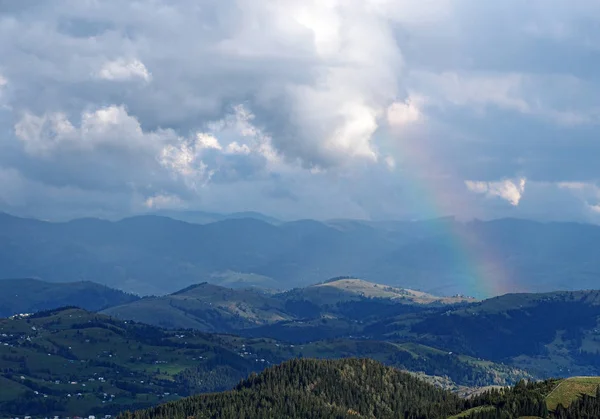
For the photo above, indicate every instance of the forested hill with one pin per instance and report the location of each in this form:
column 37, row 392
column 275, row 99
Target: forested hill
column 363, row 388
column 303, row 388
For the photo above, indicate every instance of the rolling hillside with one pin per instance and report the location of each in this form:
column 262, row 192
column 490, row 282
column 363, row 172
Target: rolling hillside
column 346, row 289
column 72, row 362
column 213, row 308
column 552, row 334
column 205, row 307
column 76, row 360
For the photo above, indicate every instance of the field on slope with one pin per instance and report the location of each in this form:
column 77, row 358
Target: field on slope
column 570, row 389
column 339, row 290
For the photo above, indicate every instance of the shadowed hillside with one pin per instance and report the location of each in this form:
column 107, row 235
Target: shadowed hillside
column 30, row 295
column 552, row 334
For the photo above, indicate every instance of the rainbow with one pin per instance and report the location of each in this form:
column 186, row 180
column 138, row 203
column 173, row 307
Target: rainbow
column 482, row 271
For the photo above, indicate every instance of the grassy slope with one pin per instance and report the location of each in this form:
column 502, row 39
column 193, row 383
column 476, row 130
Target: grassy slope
column 352, row 289
column 565, row 392
column 469, row 412
column 204, row 307
column 570, row 389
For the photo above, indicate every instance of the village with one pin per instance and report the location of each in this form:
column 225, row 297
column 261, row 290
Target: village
column 101, row 366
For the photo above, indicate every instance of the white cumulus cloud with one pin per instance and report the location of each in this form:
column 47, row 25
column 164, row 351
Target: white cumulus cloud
column 403, row 113
column 509, row 190
column 123, row 70
column 205, row 140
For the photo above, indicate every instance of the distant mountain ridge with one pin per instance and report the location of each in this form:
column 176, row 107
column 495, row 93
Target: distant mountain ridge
column 204, row 217
column 157, row 255
column 27, row 295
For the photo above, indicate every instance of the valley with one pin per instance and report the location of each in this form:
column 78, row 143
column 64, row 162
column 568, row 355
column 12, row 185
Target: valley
column 70, row 361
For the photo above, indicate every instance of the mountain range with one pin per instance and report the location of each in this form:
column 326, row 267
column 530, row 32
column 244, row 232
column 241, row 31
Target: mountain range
column 157, row 255
column 547, row 334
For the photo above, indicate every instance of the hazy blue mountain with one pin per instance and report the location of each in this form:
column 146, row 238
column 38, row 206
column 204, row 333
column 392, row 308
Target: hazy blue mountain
column 159, row 255
column 26, row 295
column 204, row 217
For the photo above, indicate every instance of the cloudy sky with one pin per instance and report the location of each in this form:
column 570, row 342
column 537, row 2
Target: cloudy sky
column 316, row 108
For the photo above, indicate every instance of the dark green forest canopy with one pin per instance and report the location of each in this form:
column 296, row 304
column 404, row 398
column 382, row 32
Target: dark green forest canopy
column 321, row 389
column 352, row 388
